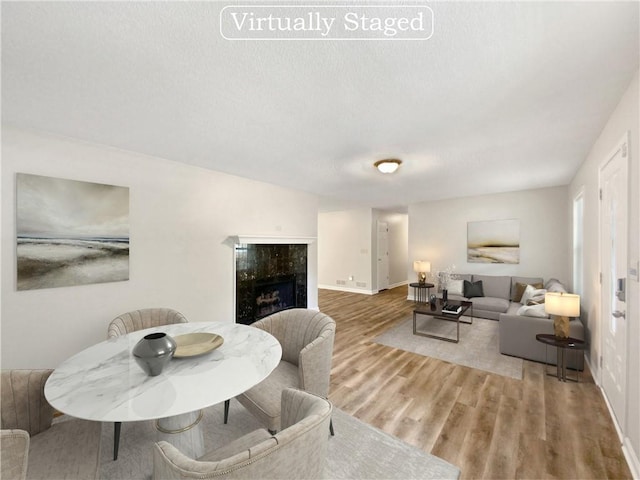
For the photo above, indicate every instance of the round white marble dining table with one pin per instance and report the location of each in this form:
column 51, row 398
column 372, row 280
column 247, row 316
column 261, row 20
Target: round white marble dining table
column 104, row 383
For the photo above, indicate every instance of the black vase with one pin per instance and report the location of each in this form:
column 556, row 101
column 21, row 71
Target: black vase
column 445, row 294
column 153, row 352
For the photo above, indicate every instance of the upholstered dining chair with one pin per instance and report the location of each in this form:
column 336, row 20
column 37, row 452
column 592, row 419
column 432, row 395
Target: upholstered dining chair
column 306, row 337
column 33, row 445
column 298, row 451
column 139, row 320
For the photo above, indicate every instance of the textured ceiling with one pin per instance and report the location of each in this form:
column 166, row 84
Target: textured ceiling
column 504, row 96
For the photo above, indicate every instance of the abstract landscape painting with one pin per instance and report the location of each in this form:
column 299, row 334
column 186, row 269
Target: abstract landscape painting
column 496, row 241
column 70, row 232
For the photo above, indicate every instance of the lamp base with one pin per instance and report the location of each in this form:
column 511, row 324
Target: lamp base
column 422, row 278
column 561, row 326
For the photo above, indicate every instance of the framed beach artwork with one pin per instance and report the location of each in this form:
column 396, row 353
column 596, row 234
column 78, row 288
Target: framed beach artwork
column 70, row 232
column 496, row 241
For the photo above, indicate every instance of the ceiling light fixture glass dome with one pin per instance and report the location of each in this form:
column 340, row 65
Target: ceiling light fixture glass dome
column 388, row 165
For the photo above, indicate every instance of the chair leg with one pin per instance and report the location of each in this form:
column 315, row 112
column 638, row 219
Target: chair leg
column 116, row 439
column 331, row 428
column 226, row 411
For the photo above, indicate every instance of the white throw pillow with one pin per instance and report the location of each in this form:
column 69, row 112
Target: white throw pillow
column 531, row 292
column 527, row 294
column 455, row 287
column 533, row 311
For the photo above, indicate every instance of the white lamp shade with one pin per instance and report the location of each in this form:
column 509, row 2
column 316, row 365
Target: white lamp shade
column 562, row 304
column 420, row 266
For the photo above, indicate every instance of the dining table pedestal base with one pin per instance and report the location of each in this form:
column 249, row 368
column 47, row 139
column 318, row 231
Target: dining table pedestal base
column 184, row 432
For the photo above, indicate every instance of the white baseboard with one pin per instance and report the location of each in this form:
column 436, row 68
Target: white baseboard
column 632, row 458
column 399, row 284
column 347, row 289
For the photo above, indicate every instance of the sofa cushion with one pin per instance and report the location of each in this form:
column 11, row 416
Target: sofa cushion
column 516, row 294
column 491, row 304
column 533, row 311
column 513, row 308
column 473, row 289
column 495, row 286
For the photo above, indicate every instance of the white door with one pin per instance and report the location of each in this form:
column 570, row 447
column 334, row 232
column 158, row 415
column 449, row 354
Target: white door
column 383, row 256
column 613, row 255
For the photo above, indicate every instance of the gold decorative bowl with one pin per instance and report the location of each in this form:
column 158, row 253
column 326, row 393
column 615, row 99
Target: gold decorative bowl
column 193, row 344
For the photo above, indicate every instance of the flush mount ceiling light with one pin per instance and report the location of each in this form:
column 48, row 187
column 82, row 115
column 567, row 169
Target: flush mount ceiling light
column 388, row 165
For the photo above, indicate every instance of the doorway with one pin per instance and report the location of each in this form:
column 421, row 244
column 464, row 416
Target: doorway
column 383, row 256
column 613, row 267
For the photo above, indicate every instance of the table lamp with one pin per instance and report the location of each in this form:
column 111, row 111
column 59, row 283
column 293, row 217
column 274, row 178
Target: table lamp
column 421, row 268
column 562, row 306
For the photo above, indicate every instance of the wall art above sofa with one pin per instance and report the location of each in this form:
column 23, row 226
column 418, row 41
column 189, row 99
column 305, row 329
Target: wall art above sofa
column 496, row 241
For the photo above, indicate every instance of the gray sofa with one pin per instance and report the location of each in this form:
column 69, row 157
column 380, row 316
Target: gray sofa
column 518, row 332
column 499, row 293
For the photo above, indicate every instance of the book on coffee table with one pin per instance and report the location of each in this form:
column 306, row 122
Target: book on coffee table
column 453, row 309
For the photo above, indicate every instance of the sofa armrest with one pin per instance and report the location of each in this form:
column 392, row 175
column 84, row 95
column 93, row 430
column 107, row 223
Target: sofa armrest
column 518, row 336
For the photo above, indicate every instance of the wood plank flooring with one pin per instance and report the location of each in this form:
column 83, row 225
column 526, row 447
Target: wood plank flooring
column 488, row 425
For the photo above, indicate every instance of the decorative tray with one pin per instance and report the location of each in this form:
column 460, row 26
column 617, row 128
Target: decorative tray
column 193, row 344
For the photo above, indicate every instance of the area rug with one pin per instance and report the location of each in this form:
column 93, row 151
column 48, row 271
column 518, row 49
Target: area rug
column 478, row 346
column 357, row 451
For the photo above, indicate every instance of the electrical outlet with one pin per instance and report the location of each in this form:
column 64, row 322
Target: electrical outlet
column 351, row 278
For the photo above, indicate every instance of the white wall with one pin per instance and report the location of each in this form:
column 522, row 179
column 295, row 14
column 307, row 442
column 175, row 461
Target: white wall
column 180, row 217
column 438, row 232
column 347, row 247
column 624, row 119
column 345, row 250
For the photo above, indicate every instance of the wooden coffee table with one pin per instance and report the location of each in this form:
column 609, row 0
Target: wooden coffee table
column 435, row 311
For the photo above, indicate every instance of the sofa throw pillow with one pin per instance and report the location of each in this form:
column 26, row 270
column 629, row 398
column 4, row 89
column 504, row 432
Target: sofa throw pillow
column 520, row 287
column 555, row 285
column 455, row 287
column 473, row 289
column 537, row 299
column 530, row 293
column 533, row 311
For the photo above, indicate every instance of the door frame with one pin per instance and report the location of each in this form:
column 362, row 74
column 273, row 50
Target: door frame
column 621, row 146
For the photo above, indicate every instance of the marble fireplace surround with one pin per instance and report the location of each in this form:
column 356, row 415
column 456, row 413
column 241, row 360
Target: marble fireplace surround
column 270, row 274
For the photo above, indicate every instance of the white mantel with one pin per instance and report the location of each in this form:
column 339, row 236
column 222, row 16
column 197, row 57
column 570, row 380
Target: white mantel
column 270, row 239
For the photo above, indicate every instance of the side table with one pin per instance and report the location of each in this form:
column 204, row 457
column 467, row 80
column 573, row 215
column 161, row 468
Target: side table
column 421, row 291
column 562, row 344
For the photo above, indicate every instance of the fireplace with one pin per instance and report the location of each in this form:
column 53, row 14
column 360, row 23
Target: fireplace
column 274, row 294
column 270, row 277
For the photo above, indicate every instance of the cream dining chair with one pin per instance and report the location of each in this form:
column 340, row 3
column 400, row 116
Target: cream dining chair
column 306, row 337
column 32, row 445
column 132, row 322
column 298, row 451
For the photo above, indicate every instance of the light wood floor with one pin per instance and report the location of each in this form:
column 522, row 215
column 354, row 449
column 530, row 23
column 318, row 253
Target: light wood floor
column 488, row 425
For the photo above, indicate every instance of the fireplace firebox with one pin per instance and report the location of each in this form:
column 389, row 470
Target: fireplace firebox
column 269, row 278
column 274, row 294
